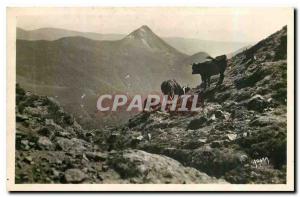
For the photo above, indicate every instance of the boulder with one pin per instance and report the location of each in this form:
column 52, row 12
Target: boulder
column 197, row 123
column 257, row 103
column 45, row 144
column 73, row 144
column 143, row 167
column 74, row 176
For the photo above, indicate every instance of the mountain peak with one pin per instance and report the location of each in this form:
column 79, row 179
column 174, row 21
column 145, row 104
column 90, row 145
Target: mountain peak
column 144, row 28
column 142, row 32
column 145, row 38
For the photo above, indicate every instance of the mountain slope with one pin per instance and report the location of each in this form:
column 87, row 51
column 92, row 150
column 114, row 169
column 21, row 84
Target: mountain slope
column 241, row 132
column 230, row 55
column 70, row 67
column 191, row 46
column 51, row 147
column 239, row 136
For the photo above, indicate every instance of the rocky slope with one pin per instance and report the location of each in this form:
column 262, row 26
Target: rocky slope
column 51, row 147
column 240, row 134
column 238, row 137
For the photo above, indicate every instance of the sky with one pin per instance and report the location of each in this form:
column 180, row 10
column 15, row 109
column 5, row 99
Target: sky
column 218, row 24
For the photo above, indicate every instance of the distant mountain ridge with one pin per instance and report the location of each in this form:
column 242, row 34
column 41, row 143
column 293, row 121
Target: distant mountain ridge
column 188, row 46
column 52, row 34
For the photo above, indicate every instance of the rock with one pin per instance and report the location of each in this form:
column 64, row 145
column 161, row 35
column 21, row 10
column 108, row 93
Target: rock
column 64, row 134
column 45, row 144
column 28, row 159
column 74, row 176
column 249, row 174
column 45, row 131
column 52, row 126
column 25, row 144
column 244, row 158
column 197, row 123
column 219, row 114
column 73, row 144
column 143, row 167
column 105, row 168
column 99, row 176
column 39, row 111
column 213, row 117
column 216, row 144
column 257, row 103
column 250, row 78
column 232, row 136
column 268, row 120
column 55, row 173
column 140, row 137
column 96, row 156
column 21, row 117
column 202, row 140
column 213, row 161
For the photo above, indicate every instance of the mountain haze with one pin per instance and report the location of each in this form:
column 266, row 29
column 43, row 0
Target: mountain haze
column 51, row 34
column 71, row 67
column 188, row 46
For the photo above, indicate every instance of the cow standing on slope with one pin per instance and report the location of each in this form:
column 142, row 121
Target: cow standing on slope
column 209, row 68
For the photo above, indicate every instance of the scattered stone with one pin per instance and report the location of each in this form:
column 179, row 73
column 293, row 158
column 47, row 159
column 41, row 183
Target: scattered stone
column 202, row 140
column 213, row 117
column 216, row 144
column 105, row 168
column 257, row 103
column 28, row 159
column 232, row 136
column 74, row 176
column 96, row 156
column 219, row 114
column 21, row 117
column 197, row 123
column 55, row 173
column 45, row 144
column 140, row 137
column 25, row 144
column 73, row 144
column 267, row 120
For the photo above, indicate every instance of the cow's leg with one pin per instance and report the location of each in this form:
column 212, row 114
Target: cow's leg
column 208, row 81
column 204, row 79
column 221, row 79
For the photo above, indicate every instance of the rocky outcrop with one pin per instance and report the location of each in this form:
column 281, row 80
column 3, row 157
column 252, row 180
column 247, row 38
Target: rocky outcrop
column 143, row 167
column 51, row 147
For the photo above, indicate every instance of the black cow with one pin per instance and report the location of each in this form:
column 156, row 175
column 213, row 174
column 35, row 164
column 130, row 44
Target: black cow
column 209, row 68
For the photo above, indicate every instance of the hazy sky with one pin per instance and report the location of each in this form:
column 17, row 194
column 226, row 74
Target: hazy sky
column 221, row 24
